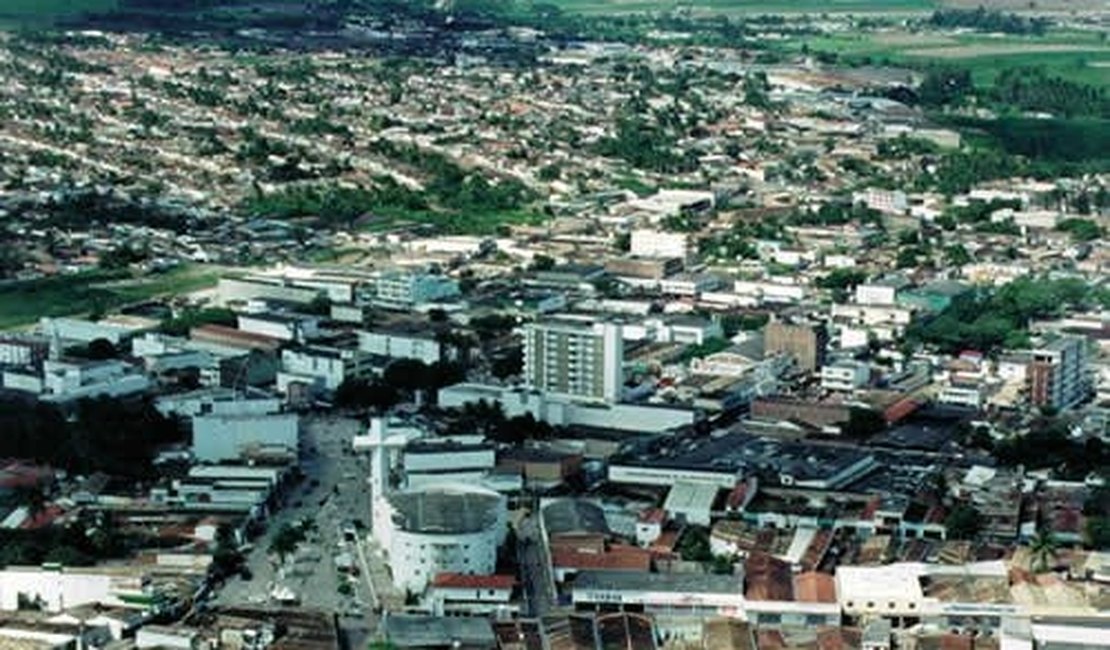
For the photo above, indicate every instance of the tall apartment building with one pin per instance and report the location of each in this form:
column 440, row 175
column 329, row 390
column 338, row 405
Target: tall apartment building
column 577, row 358
column 1058, row 373
column 805, row 342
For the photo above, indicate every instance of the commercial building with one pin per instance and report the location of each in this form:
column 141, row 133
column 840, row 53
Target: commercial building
column 806, row 343
column 1058, row 373
column 577, row 358
column 220, row 438
column 563, row 410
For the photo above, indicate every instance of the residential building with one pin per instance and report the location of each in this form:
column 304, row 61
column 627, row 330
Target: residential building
column 324, row 368
column 1058, row 373
column 575, row 358
column 805, row 342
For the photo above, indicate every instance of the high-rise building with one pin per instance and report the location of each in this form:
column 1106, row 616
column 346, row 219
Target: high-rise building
column 1058, row 373
column 577, row 358
column 805, row 342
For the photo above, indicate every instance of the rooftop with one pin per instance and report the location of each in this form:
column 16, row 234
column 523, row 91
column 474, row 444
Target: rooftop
column 445, row 510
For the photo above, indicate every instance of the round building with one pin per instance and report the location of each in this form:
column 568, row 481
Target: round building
column 445, row 528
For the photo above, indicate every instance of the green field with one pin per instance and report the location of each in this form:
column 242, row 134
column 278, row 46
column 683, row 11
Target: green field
column 23, row 303
column 745, row 6
column 1080, row 57
column 15, row 14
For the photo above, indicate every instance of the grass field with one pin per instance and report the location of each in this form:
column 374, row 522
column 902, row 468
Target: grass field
column 23, row 303
column 1080, row 57
column 745, row 6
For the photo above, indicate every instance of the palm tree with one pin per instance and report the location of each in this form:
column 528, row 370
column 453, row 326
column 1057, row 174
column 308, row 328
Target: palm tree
column 1043, row 548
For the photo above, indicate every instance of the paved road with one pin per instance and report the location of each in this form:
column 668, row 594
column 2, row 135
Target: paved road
column 333, row 496
column 535, row 569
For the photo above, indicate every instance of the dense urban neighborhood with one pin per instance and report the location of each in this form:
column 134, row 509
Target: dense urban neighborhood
column 516, row 326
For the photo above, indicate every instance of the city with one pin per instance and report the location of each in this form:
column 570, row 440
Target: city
column 523, row 326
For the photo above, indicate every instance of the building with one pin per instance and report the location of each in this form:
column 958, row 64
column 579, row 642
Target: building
column 65, row 381
column 404, row 290
column 659, row 244
column 575, row 358
column 22, row 351
column 454, row 594
column 433, row 529
column 845, row 376
column 322, row 367
column 1057, row 375
column 806, row 343
column 418, row 345
column 229, row 437
column 283, row 327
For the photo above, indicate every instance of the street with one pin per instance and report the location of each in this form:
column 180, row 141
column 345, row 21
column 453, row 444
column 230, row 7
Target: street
column 334, row 500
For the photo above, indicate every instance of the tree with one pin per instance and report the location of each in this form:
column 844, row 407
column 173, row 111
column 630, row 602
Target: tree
column 694, row 545
column 543, row 262
column 406, row 374
column 963, row 522
column 100, row 349
column 1043, row 548
column 957, row 255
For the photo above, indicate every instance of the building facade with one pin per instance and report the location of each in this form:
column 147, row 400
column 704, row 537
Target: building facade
column 579, row 359
column 806, row 343
column 1057, row 375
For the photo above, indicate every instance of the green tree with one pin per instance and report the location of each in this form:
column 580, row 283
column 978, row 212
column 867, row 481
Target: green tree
column 957, row 255
column 1043, row 547
column 963, row 522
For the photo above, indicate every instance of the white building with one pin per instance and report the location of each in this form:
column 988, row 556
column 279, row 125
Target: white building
column 405, row 290
column 85, row 331
column 578, row 358
column 562, row 410
column 434, row 529
column 220, row 438
column 322, row 367
column 845, row 376
column 64, row 381
column 401, row 345
column 888, row 201
column 876, row 294
column 54, row 588
column 284, row 327
column 658, row 243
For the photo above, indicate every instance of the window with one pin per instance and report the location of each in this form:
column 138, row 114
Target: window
column 890, row 605
column 870, row 605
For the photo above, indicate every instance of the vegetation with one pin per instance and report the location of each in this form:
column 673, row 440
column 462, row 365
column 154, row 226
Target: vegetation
column 963, row 522
column 92, row 292
column 989, row 320
column 984, row 20
column 109, row 435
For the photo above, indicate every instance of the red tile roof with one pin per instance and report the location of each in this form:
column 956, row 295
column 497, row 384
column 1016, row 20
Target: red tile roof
column 464, row 581
column 814, row 587
column 617, row 558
